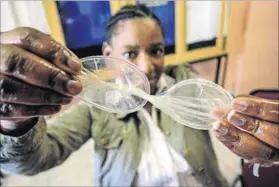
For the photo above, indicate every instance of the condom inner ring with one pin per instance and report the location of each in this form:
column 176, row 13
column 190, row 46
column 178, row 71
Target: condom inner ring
column 127, row 74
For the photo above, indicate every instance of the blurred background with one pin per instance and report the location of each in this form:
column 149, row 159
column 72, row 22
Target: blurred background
column 234, row 43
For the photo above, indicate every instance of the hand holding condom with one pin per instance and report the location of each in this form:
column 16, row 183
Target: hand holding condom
column 38, row 75
column 250, row 129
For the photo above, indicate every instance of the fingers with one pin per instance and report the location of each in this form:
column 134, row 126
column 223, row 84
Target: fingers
column 266, row 131
column 16, row 62
column 36, row 74
column 44, row 46
column 8, row 111
column 244, row 144
column 14, row 91
column 257, row 107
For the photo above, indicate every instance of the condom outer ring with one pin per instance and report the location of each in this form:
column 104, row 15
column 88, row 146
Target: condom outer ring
column 135, row 69
column 204, row 82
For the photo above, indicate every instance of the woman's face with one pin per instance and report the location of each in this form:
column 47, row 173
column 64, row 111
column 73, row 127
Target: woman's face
column 140, row 41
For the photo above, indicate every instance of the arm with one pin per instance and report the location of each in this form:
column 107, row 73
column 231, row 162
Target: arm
column 46, row 145
column 38, row 75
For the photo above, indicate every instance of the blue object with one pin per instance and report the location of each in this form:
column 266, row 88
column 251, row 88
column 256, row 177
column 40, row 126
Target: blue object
column 84, row 22
column 166, row 14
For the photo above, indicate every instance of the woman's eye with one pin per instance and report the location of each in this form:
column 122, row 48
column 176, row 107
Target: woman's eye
column 157, row 52
column 130, row 54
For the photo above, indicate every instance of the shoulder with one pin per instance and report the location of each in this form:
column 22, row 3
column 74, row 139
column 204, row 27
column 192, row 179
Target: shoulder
column 181, row 72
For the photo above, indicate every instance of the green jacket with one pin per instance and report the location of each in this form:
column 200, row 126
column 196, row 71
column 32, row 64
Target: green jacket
column 118, row 144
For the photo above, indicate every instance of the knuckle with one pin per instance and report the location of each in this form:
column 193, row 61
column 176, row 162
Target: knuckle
column 13, row 61
column 30, row 37
column 57, row 47
column 26, row 34
column 36, row 40
column 53, row 78
column 49, row 47
column 9, row 58
column 56, row 50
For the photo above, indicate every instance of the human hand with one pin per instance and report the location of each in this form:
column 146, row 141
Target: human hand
column 38, row 75
column 250, row 129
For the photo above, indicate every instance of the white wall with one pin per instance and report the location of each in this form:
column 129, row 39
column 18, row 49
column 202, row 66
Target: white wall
column 203, row 19
column 23, row 13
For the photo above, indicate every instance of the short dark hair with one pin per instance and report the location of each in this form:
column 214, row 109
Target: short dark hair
column 130, row 12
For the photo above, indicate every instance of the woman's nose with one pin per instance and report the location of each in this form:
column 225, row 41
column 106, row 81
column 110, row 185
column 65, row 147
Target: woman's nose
column 144, row 62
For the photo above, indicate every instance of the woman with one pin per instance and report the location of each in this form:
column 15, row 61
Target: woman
column 133, row 33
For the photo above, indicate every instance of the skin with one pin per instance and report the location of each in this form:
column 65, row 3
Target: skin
column 141, row 42
column 250, row 129
column 37, row 77
column 49, row 80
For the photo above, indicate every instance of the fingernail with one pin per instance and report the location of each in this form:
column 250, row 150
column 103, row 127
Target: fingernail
column 217, row 126
column 236, row 119
column 74, row 87
column 239, row 105
column 74, row 64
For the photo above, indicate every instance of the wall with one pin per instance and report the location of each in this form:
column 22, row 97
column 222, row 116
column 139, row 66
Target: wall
column 23, row 13
column 253, row 59
column 253, row 46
